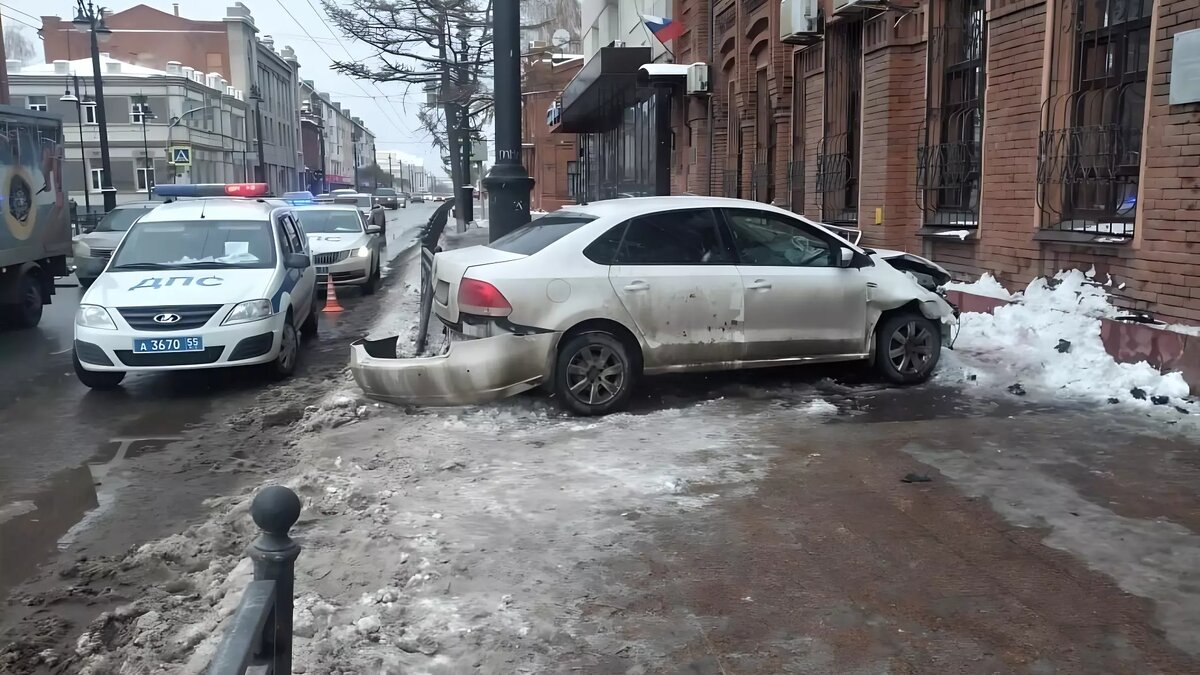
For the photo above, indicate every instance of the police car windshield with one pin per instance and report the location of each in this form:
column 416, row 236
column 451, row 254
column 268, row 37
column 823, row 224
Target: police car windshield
column 197, row 244
column 324, row 221
column 120, row 218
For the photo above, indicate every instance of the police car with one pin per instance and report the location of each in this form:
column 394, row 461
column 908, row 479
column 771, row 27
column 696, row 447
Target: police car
column 225, row 280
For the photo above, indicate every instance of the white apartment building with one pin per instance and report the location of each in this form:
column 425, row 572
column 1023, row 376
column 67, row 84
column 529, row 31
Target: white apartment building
column 148, row 112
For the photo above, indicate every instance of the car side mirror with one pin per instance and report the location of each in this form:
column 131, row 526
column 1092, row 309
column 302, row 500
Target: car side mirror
column 853, row 259
column 296, row 261
column 374, row 229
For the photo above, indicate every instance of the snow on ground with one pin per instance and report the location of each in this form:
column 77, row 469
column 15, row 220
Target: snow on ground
column 1049, row 339
column 985, row 286
column 458, row 540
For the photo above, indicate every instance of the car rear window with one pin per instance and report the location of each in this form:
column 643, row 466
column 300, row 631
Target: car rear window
column 540, row 233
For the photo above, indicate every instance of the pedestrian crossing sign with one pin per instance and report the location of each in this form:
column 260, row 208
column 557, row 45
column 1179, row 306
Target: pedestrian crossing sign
column 181, row 155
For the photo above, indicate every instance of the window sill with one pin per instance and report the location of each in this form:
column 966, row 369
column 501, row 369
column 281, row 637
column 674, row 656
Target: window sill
column 1082, row 238
column 950, row 234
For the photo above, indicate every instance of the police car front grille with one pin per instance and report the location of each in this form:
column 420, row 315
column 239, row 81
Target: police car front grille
column 330, row 258
column 190, row 316
column 209, row 355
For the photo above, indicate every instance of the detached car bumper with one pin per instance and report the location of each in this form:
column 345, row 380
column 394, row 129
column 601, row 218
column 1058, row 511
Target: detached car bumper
column 471, row 372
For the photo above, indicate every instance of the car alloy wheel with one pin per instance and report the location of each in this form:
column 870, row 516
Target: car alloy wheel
column 595, row 375
column 910, row 348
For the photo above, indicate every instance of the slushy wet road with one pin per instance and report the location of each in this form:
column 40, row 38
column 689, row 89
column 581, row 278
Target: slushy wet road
column 63, row 445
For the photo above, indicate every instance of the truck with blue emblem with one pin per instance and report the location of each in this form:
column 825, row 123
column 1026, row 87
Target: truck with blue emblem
column 210, row 282
column 35, row 239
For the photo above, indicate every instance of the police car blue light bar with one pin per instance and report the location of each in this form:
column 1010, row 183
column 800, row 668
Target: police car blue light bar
column 213, row 190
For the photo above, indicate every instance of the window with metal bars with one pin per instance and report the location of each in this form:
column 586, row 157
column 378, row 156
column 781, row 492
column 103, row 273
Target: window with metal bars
column 949, row 159
column 1090, row 153
column 838, row 156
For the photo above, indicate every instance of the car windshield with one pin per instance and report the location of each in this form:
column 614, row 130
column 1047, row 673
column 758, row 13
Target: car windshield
column 540, row 233
column 324, row 221
column 120, row 219
column 385, row 192
column 196, row 244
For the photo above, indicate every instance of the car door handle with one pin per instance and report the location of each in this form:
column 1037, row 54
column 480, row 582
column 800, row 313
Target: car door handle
column 759, row 285
column 637, row 286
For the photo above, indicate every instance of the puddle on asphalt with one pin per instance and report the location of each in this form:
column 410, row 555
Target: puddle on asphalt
column 50, row 520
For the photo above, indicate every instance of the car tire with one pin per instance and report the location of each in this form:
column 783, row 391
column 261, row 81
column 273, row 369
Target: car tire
column 289, row 351
column 308, row 329
column 100, row 381
column 372, row 284
column 580, row 383
column 907, row 348
column 27, row 312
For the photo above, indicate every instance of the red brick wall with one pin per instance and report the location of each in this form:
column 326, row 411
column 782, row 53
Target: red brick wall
column 893, row 110
column 161, row 37
column 546, row 161
column 1160, row 270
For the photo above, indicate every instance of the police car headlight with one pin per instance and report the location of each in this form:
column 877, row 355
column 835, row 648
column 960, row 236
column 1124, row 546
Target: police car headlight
column 251, row 310
column 94, row 316
column 363, row 251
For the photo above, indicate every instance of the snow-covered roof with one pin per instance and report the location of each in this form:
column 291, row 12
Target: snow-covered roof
column 83, row 67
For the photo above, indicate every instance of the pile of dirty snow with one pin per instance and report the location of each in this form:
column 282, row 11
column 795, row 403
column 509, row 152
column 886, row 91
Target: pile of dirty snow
column 1048, row 338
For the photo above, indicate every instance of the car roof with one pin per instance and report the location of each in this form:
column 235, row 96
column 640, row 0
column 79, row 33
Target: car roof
column 328, row 206
column 138, row 205
column 221, row 208
column 637, row 206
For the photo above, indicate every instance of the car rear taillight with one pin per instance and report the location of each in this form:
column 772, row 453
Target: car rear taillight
column 482, row 299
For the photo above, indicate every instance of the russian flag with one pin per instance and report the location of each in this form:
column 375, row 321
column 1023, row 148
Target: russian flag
column 663, row 28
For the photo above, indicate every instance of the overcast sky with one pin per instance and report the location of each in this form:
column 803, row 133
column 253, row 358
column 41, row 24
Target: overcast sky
column 387, row 111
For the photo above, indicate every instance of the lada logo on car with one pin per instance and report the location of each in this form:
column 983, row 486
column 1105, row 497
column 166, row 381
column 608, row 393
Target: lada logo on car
column 167, row 318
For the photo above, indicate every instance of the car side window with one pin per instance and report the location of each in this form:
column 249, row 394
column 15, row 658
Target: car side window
column 284, row 240
column 603, row 250
column 685, row 237
column 295, row 241
column 766, row 239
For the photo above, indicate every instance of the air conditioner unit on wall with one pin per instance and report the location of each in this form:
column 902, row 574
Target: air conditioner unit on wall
column 800, row 21
column 858, row 6
column 697, row 78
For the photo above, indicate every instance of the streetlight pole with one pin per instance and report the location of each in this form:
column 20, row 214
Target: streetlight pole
column 75, row 98
column 144, row 110
column 91, row 19
column 508, row 183
column 175, row 122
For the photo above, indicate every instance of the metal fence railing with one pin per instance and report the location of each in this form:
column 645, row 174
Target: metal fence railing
column 431, row 234
column 259, row 637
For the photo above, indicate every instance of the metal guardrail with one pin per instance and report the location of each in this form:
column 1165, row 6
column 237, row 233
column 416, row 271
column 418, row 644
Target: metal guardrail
column 430, row 235
column 258, row 640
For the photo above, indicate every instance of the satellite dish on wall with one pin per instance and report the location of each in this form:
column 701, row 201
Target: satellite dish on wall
column 560, row 37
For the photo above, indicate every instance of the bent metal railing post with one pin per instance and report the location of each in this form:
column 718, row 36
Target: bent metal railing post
column 259, row 638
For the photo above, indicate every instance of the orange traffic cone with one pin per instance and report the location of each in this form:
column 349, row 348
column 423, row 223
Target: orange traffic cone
column 331, row 301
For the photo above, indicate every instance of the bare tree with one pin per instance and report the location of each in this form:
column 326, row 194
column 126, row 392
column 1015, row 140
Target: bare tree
column 18, row 46
column 441, row 47
column 550, row 20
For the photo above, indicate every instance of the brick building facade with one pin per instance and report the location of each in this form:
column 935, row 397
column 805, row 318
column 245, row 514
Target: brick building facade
column 1016, row 137
column 550, row 158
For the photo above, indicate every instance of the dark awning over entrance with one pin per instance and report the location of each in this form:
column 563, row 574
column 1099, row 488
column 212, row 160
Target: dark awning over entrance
column 607, row 84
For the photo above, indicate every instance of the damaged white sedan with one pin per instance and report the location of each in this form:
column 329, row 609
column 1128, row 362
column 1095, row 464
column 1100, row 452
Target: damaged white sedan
column 586, row 300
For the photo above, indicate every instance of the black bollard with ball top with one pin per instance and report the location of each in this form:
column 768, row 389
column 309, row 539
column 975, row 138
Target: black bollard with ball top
column 260, row 633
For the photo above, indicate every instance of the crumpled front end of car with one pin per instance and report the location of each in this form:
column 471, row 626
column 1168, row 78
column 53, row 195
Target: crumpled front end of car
column 889, row 288
column 470, row 372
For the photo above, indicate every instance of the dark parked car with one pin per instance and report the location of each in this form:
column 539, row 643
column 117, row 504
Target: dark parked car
column 389, row 198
